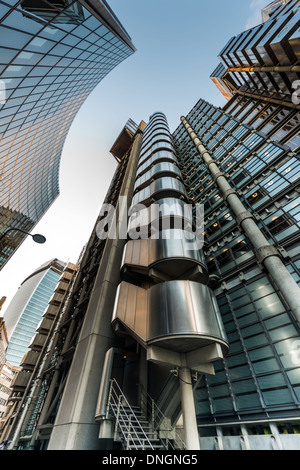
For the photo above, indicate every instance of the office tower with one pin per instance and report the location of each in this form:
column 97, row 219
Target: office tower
column 132, row 310
column 37, row 355
column 271, row 7
column 255, row 390
column 248, row 398
column 26, row 309
column 259, row 73
column 52, row 55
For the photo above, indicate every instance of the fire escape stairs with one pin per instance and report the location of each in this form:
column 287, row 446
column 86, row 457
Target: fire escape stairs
column 136, row 429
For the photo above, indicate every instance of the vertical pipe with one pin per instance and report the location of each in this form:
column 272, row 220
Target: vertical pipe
column 267, row 253
column 191, row 435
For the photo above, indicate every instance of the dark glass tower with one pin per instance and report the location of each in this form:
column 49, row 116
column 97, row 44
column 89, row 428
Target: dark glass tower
column 52, row 55
column 256, row 387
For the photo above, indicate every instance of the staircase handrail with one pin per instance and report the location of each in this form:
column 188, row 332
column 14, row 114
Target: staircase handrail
column 121, row 417
column 157, row 417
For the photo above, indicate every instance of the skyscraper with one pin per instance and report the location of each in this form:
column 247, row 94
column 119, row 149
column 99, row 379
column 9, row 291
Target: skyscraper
column 52, row 56
column 161, row 327
column 259, row 69
column 26, row 309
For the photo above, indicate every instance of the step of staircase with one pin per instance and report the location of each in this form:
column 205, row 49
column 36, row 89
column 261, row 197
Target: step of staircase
column 136, row 432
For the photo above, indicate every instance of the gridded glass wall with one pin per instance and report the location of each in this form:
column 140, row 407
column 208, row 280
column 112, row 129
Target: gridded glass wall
column 260, row 378
column 261, row 374
column 52, row 55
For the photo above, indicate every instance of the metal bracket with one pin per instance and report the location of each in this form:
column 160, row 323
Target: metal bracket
column 228, row 193
column 217, row 175
column 243, row 216
column 265, row 252
column 209, row 162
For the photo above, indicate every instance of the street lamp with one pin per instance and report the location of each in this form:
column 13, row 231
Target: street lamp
column 36, row 237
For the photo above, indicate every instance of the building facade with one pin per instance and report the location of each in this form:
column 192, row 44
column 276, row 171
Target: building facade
column 18, row 386
column 255, row 391
column 26, row 309
column 157, row 327
column 259, row 73
column 3, row 336
column 52, row 56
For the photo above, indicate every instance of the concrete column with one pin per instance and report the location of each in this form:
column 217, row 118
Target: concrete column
column 75, row 427
column 191, row 436
column 276, row 437
column 266, row 253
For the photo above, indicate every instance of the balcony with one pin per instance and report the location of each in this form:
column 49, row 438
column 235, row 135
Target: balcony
column 56, row 299
column 51, row 311
column 44, row 326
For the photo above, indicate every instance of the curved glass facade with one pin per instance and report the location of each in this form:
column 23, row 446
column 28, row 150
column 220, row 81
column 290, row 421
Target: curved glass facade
column 51, row 57
column 27, row 307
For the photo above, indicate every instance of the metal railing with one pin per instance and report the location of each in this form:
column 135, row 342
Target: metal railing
column 162, row 425
column 145, row 428
column 127, row 423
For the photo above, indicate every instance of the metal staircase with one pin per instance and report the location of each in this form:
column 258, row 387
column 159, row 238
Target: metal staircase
column 136, row 431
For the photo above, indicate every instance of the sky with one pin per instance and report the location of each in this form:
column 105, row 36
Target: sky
column 177, row 50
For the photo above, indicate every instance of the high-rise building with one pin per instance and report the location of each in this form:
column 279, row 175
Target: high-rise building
column 158, row 325
column 36, row 357
column 271, row 7
column 259, row 69
column 52, row 55
column 26, row 309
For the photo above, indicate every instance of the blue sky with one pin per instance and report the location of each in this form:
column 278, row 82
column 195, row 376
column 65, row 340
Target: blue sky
column 177, row 47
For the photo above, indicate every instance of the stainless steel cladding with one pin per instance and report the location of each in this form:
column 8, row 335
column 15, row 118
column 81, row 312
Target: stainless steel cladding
column 181, row 316
column 163, row 300
column 172, row 255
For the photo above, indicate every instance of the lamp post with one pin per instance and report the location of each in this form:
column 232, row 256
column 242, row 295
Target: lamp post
column 38, row 238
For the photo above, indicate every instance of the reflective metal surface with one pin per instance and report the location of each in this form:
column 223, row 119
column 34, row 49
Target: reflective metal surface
column 162, row 187
column 161, row 155
column 177, row 315
column 174, row 254
column 165, row 208
column 156, row 171
column 177, row 312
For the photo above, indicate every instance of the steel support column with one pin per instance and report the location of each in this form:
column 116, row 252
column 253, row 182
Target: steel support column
column 266, row 253
column 191, row 436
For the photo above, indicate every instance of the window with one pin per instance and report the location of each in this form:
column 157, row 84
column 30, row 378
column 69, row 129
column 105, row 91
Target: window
column 279, row 223
column 256, row 196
